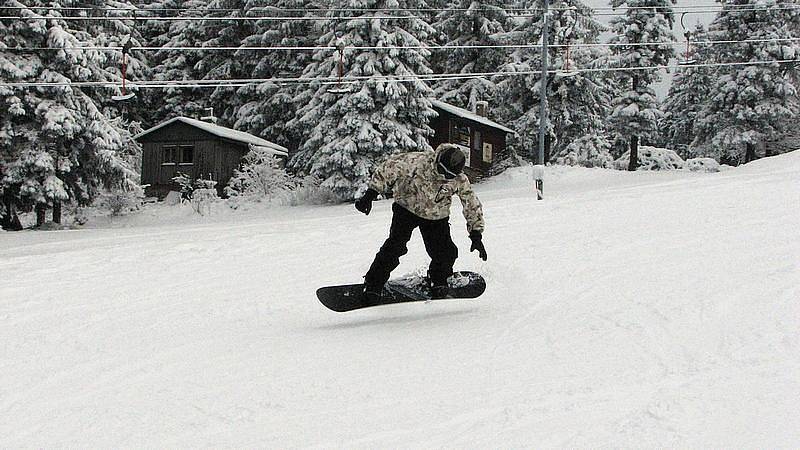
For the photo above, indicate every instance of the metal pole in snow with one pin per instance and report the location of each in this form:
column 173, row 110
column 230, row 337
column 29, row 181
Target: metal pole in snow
column 538, row 172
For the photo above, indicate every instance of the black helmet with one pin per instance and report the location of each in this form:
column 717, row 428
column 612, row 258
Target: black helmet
column 450, row 161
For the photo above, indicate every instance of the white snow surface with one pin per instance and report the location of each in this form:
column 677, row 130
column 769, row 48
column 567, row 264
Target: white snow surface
column 645, row 309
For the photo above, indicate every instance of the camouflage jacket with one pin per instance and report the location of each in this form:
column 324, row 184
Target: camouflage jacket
column 418, row 187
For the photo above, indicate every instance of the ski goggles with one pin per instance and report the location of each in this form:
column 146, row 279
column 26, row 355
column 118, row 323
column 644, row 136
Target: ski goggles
column 447, row 171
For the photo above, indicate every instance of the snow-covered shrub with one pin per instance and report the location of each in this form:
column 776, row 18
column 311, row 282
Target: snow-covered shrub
column 204, row 184
column 173, row 198
column 122, row 202
column 79, row 217
column 203, row 198
column 702, row 165
column 587, row 151
column 186, row 185
column 259, row 179
column 652, row 158
column 204, row 194
column 117, row 203
column 311, row 192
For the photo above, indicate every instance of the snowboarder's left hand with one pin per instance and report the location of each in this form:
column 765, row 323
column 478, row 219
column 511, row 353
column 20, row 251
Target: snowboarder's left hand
column 364, row 204
column 477, row 244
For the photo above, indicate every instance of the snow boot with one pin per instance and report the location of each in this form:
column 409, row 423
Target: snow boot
column 438, row 286
column 372, row 295
column 439, row 291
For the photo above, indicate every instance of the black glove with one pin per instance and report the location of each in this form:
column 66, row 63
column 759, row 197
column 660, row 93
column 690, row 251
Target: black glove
column 477, row 244
column 364, row 204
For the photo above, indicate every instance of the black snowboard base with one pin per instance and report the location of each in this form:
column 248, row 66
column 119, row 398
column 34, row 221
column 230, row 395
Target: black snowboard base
column 348, row 297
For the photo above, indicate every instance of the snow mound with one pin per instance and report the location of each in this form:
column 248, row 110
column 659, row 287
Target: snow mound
column 652, row 158
column 702, row 165
column 780, row 163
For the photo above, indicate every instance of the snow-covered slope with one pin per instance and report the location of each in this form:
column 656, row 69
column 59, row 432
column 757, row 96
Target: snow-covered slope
column 628, row 309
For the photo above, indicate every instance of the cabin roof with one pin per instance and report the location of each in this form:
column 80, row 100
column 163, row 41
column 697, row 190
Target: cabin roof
column 469, row 115
column 219, row 131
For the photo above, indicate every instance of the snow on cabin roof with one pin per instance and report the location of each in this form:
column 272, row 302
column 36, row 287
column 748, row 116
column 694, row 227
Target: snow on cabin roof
column 469, row 115
column 270, row 149
column 220, row 131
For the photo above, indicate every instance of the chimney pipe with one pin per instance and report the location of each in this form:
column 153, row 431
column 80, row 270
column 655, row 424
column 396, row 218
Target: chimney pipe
column 482, row 108
column 210, row 116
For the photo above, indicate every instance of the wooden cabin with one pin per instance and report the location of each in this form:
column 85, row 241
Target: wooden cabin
column 479, row 137
column 197, row 148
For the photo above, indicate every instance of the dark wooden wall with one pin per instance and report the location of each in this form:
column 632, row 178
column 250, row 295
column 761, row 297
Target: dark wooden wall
column 214, row 157
column 442, row 127
column 227, row 157
column 155, row 171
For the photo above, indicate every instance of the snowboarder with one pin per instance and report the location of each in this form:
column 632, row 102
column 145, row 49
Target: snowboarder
column 423, row 184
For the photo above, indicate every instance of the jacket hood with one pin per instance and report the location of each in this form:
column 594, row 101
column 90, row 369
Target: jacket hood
column 437, row 153
column 442, row 147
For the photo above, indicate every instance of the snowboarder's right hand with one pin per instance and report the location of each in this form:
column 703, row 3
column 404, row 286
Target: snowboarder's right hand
column 364, row 204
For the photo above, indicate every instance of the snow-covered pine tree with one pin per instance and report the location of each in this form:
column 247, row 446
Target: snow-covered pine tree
column 579, row 103
column 347, row 133
column 120, row 26
column 265, row 109
column 223, row 64
column 59, row 141
column 635, row 112
column 750, row 104
column 159, row 33
column 169, row 64
column 35, row 176
column 687, row 96
column 469, row 22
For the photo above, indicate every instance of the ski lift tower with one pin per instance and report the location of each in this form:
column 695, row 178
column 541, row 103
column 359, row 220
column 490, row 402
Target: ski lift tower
column 538, row 169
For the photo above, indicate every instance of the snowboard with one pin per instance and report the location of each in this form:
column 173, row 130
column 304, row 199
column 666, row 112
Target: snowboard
column 413, row 288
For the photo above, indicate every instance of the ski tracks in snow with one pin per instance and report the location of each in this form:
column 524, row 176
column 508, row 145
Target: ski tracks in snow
column 626, row 310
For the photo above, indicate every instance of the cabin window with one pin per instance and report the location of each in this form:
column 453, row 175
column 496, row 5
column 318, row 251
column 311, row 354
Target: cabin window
column 460, row 134
column 487, row 152
column 170, row 154
column 178, row 154
column 187, row 154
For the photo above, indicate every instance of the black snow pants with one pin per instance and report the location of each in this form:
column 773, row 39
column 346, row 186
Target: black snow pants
column 438, row 244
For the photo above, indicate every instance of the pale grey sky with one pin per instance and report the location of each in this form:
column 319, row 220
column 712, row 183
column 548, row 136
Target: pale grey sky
column 690, row 18
column 704, row 18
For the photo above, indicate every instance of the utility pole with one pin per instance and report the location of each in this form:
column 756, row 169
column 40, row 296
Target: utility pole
column 538, row 169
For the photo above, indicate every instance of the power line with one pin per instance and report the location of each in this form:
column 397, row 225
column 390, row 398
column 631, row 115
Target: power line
column 411, row 47
column 267, row 8
column 242, row 82
column 147, row 8
column 210, row 18
column 137, row 17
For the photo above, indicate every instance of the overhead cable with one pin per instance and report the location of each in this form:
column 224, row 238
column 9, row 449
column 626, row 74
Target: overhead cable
column 148, row 8
column 332, row 80
column 410, row 47
column 139, row 17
